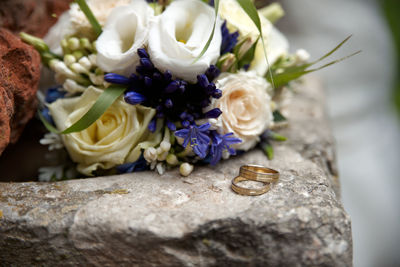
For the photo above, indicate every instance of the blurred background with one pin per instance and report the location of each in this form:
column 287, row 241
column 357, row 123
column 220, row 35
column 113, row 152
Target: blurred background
column 362, row 94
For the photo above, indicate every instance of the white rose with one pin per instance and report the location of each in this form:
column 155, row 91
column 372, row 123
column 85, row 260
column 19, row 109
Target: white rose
column 276, row 43
column 74, row 21
column 179, row 36
column 107, row 142
column 126, row 30
column 245, row 106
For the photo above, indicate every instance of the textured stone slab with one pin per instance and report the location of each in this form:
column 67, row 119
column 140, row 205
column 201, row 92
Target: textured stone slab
column 150, row 220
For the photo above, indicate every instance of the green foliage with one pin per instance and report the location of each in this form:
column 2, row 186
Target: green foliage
column 284, row 75
column 216, row 8
column 89, row 15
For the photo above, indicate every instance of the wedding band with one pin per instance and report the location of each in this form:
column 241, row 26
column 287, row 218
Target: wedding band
column 259, row 173
column 248, row 191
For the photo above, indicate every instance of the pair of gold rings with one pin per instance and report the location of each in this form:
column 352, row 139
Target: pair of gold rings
column 260, row 174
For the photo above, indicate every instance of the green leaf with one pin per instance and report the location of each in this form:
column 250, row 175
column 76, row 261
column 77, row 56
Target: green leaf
column 278, row 117
column 267, row 149
column 216, row 8
column 276, row 137
column 89, row 15
column 251, row 11
column 248, row 57
column 105, row 100
column 294, row 73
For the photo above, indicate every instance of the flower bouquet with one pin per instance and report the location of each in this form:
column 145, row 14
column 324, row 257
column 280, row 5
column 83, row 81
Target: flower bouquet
column 163, row 84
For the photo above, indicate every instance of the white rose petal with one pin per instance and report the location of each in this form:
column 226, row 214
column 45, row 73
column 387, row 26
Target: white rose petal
column 276, row 43
column 126, row 30
column 109, row 141
column 180, row 34
column 74, row 21
column 245, row 106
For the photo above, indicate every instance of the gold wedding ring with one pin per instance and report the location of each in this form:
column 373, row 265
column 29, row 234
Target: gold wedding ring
column 248, row 191
column 259, row 173
column 254, row 173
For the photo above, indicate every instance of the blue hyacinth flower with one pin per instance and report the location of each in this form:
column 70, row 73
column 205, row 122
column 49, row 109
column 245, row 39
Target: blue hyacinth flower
column 221, row 143
column 52, row 94
column 197, row 137
column 229, row 40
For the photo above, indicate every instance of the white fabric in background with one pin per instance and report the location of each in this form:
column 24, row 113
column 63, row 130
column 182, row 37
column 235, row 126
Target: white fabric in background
column 364, row 123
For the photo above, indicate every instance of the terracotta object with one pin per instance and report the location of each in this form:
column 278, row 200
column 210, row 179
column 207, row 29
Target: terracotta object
column 32, row 16
column 19, row 79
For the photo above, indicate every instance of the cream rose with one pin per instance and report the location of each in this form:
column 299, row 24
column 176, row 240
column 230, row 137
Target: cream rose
column 110, row 140
column 126, row 30
column 74, row 21
column 276, row 43
column 179, row 36
column 245, row 106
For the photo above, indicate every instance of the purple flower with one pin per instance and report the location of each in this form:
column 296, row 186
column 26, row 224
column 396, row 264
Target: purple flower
column 197, row 137
column 221, row 143
column 229, row 40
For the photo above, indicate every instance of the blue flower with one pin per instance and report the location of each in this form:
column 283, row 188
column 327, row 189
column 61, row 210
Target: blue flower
column 139, row 165
column 197, row 137
column 52, row 94
column 169, row 96
column 221, row 143
column 229, row 40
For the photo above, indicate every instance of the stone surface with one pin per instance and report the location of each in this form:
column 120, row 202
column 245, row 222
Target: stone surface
column 144, row 219
column 32, row 16
column 19, row 79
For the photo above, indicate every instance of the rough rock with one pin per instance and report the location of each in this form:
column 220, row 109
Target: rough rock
column 31, row 16
column 143, row 219
column 19, row 79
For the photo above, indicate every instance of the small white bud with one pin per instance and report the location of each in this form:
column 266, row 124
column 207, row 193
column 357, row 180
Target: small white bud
column 78, row 68
column 302, row 55
column 150, row 154
column 172, row 160
column 165, row 146
column 73, row 43
column 96, row 79
column 85, row 62
column 69, row 59
column 93, row 59
column 160, row 168
column 185, row 169
column 162, row 156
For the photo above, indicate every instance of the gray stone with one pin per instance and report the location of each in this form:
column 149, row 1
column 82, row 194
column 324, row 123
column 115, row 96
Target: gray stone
column 145, row 219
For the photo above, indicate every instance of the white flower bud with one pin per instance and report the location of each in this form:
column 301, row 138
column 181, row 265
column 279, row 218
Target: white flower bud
column 185, row 169
column 85, row 62
column 69, row 59
column 78, row 68
column 150, row 154
column 72, row 87
column 302, row 56
column 162, row 156
column 165, row 146
column 93, row 58
column 160, row 168
column 96, row 79
column 172, row 160
column 73, row 43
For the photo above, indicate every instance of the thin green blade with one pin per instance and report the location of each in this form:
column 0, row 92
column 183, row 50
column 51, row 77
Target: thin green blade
column 251, row 11
column 216, row 8
column 89, row 15
column 105, row 100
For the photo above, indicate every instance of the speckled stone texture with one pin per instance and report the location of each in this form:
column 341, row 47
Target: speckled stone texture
column 144, row 219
